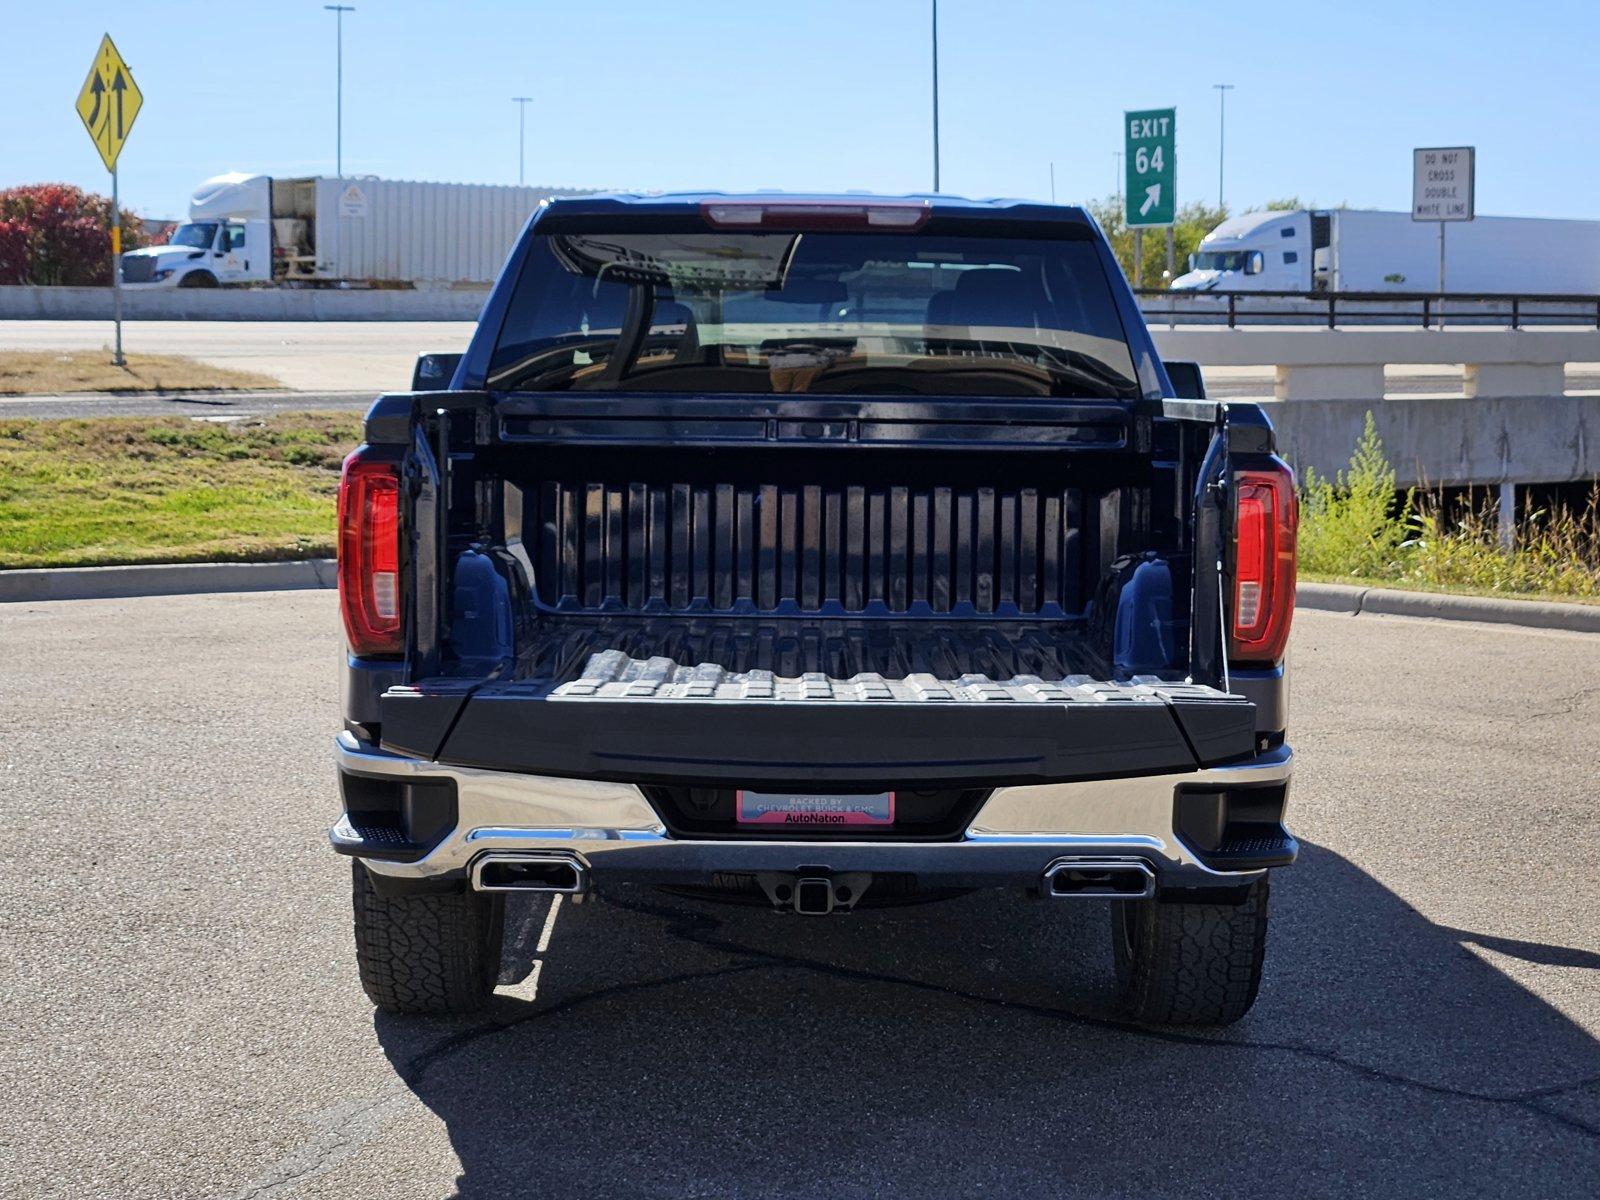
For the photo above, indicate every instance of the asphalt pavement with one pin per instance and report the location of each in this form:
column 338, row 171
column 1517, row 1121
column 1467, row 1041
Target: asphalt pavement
column 184, row 1019
column 310, row 356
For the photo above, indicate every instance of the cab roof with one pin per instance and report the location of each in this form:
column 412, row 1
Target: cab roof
column 1246, row 224
column 940, row 204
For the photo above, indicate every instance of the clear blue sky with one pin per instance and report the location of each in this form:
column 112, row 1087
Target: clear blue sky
column 825, row 94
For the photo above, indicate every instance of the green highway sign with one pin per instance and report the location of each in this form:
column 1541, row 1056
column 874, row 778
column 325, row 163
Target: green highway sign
column 1150, row 196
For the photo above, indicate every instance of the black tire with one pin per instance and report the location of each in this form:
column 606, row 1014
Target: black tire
column 434, row 953
column 1190, row 964
column 201, row 279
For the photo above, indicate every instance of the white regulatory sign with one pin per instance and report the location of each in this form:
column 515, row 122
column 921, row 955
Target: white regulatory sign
column 1441, row 183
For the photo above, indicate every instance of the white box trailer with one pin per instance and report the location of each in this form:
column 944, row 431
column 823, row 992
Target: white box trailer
column 351, row 231
column 1361, row 250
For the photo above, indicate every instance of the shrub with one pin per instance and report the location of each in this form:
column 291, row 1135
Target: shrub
column 1355, row 525
column 1359, row 527
column 65, row 235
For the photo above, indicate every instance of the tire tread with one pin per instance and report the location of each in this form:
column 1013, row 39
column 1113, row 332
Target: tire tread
column 436, row 954
column 1191, row 964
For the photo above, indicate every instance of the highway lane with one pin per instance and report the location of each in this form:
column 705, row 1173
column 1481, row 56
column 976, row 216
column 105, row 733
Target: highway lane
column 326, row 356
column 344, row 364
column 1224, row 383
column 184, row 1018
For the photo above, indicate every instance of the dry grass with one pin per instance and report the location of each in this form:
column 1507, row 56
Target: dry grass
column 51, row 372
column 128, row 489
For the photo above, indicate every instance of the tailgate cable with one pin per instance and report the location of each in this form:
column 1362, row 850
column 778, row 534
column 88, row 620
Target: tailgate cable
column 1222, row 622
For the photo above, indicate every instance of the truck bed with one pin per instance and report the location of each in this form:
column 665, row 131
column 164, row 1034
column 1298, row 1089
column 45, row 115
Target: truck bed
column 931, row 594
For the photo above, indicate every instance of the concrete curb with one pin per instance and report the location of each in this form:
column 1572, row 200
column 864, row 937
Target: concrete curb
column 165, row 579
column 179, row 579
column 1533, row 614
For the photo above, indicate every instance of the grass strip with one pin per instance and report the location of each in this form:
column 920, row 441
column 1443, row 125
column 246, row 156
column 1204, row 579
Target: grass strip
column 172, row 489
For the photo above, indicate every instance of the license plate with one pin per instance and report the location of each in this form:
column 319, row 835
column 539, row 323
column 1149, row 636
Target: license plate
column 814, row 812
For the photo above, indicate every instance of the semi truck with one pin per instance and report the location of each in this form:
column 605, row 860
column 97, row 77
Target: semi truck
column 361, row 231
column 815, row 553
column 1359, row 250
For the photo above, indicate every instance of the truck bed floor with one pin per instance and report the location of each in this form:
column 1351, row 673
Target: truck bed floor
column 601, row 649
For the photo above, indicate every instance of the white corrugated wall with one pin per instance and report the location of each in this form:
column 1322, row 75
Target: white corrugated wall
column 438, row 233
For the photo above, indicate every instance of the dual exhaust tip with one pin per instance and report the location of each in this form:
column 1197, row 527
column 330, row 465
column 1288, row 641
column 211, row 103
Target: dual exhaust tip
column 1099, row 879
column 1066, row 878
column 559, row 873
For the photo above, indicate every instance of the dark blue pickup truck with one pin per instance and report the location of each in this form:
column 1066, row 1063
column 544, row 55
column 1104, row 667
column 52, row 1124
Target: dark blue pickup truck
column 815, row 552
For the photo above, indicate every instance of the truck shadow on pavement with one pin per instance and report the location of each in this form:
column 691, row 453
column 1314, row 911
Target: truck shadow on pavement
column 664, row 1046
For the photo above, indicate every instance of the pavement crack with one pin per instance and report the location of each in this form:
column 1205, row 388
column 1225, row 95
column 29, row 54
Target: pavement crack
column 702, row 930
column 1531, row 1100
column 342, row 1131
column 1568, row 704
column 412, row 1073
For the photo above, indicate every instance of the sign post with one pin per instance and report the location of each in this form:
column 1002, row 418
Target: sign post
column 1150, row 197
column 1443, row 183
column 107, row 103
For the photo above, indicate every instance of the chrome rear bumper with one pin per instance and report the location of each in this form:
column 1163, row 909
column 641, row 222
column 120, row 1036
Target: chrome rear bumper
column 614, row 833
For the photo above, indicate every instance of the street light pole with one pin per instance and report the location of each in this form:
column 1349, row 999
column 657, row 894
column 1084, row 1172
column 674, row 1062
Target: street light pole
column 1222, row 131
column 338, row 11
column 936, row 95
column 522, row 103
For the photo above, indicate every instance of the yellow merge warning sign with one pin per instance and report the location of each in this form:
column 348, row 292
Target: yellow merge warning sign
column 109, row 102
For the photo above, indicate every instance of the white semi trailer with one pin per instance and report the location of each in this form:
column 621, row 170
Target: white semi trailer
column 1357, row 250
column 253, row 229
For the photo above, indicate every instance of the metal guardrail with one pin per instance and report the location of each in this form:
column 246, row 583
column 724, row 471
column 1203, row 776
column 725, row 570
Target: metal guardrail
column 1424, row 309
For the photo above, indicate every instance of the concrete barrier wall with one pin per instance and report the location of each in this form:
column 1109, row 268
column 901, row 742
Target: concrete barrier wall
column 1528, row 439
column 1340, row 364
column 240, row 304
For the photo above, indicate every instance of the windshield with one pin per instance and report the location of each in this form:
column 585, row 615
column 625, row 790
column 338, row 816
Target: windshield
column 1221, row 260
column 828, row 313
column 197, row 236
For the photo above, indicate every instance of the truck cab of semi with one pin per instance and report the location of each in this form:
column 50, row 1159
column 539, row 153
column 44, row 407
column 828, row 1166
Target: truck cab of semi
column 227, row 239
column 1256, row 252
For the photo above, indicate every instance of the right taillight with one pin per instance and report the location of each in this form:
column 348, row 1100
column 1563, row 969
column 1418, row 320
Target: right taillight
column 1266, row 515
column 369, row 554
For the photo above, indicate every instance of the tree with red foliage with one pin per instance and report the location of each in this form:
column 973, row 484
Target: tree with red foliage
column 13, row 252
column 54, row 233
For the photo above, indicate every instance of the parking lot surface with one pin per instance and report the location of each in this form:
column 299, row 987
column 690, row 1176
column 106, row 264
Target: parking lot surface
column 184, row 1019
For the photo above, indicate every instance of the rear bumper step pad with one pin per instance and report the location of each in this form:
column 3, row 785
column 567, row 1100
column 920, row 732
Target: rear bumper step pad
column 655, row 721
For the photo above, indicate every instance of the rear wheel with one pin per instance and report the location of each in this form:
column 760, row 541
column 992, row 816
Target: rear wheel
column 433, row 953
column 1190, row 964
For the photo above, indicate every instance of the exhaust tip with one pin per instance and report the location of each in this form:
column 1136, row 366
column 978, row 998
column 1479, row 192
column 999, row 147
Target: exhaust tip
column 1100, row 879
column 529, row 873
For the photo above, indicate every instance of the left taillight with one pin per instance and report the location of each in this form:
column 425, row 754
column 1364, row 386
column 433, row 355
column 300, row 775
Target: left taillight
column 369, row 553
column 1266, row 520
